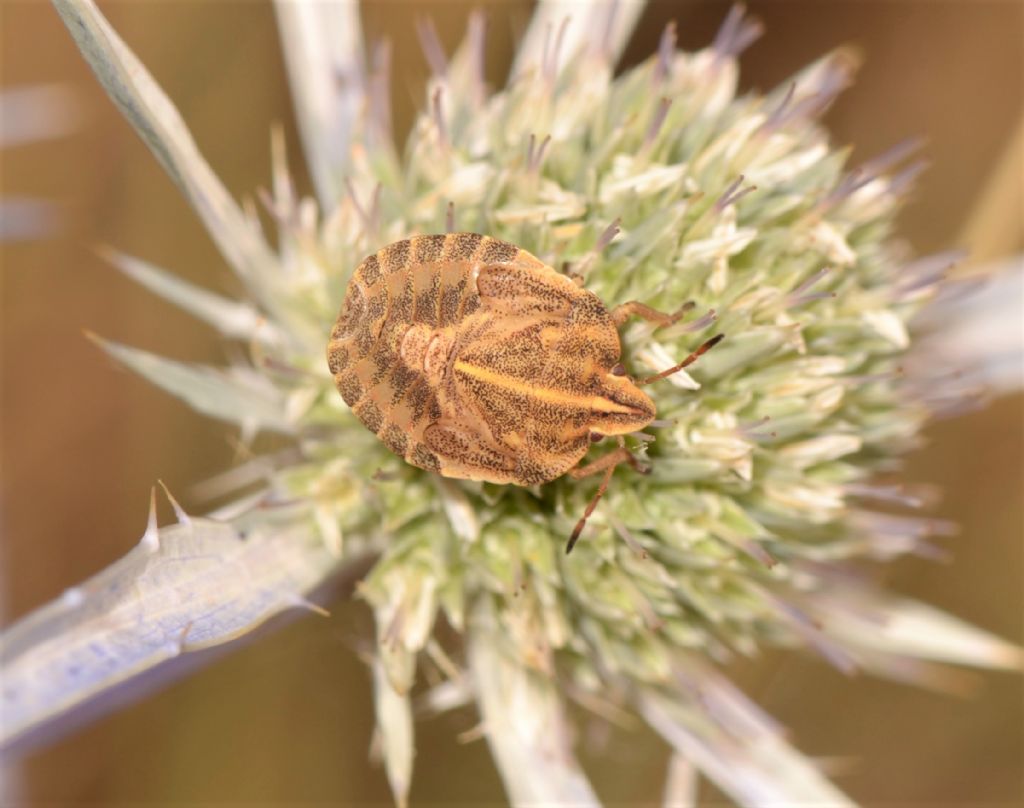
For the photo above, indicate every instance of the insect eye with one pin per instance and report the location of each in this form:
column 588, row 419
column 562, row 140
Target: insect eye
column 596, row 437
column 619, row 370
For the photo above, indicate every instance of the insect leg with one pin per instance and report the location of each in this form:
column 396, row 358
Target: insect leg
column 635, row 308
column 620, row 455
column 590, row 509
column 607, row 464
column 634, row 464
column 706, row 346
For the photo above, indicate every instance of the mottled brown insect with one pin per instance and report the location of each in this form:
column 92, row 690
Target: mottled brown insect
column 470, row 357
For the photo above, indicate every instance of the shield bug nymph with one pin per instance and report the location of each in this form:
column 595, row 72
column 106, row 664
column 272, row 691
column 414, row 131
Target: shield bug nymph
column 470, row 357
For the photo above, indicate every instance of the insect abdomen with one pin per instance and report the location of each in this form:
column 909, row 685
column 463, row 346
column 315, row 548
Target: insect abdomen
column 425, row 281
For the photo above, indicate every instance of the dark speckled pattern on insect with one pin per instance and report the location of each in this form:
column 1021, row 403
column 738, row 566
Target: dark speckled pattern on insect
column 468, row 356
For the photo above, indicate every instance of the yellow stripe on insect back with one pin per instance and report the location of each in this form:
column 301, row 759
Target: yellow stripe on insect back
column 546, row 394
column 472, row 358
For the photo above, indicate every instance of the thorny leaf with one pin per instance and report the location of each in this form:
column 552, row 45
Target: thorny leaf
column 183, row 587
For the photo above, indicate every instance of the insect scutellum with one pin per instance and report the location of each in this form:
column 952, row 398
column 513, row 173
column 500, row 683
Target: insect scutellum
column 470, row 357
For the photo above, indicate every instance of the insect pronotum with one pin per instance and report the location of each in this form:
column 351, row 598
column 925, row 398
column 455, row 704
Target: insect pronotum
column 469, row 357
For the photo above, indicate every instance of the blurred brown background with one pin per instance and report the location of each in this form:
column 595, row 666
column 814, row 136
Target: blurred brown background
column 288, row 719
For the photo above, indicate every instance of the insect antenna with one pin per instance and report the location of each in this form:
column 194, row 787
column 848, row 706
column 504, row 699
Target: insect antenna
column 704, row 348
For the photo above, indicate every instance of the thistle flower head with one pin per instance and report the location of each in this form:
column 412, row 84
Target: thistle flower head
column 662, row 185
